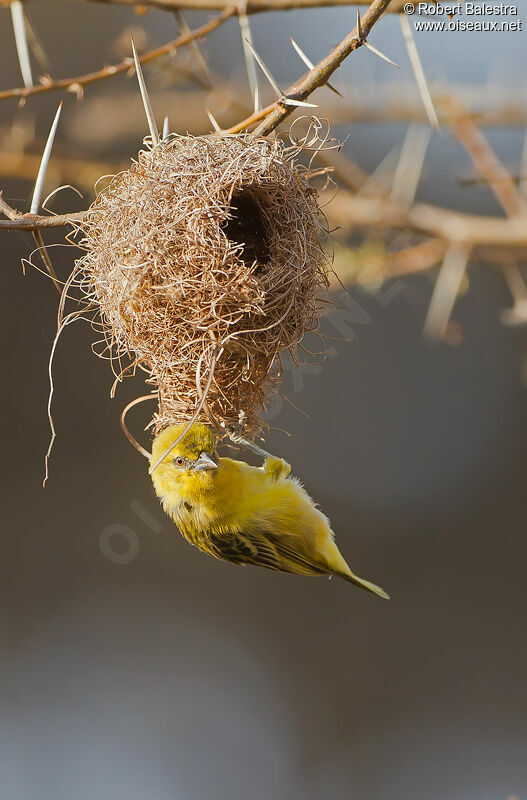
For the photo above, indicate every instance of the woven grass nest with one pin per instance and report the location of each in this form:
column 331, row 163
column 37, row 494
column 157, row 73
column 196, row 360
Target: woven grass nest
column 205, row 262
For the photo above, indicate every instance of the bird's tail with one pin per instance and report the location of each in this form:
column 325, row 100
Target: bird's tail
column 338, row 566
column 364, row 584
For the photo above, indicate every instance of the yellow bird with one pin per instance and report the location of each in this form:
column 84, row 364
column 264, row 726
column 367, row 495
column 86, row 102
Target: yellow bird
column 244, row 514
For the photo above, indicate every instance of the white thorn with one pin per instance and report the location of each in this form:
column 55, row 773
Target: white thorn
column 39, row 183
column 166, row 129
column 517, row 315
column 301, row 53
column 378, row 53
column 265, row 71
column 282, row 98
column 381, row 179
column 36, row 46
column 446, row 290
column 373, row 49
column 417, row 67
column 202, row 63
column 359, row 28
column 19, row 29
column 154, row 133
column 288, row 101
column 410, row 165
column 213, row 121
column 309, row 63
column 245, row 30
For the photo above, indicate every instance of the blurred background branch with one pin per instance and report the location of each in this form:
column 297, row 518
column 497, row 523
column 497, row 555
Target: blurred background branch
column 371, row 210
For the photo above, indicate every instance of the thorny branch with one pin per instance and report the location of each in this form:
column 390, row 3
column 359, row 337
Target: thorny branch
column 32, row 222
column 252, row 6
column 356, row 211
column 77, row 84
column 325, row 68
column 497, row 240
column 277, row 112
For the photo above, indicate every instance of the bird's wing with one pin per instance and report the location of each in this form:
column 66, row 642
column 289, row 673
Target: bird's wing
column 262, row 549
column 276, row 468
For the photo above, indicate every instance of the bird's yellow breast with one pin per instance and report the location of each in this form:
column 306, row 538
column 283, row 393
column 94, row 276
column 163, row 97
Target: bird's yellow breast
column 238, row 496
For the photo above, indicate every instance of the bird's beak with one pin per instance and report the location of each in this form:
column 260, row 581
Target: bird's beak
column 205, row 462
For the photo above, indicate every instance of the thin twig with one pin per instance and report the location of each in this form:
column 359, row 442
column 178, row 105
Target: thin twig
column 358, row 211
column 78, row 83
column 485, row 160
column 252, row 6
column 33, row 222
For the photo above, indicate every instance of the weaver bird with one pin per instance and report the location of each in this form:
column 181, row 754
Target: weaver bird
column 244, row 514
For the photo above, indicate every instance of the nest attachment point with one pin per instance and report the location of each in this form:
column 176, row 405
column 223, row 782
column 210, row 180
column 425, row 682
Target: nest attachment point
column 205, row 255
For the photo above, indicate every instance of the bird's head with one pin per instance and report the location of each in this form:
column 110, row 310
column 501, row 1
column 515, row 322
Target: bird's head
column 193, row 461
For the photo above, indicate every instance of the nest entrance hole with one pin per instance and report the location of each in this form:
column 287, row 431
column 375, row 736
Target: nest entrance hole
column 247, row 228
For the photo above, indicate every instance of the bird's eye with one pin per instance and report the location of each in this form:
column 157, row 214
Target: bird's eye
column 179, row 461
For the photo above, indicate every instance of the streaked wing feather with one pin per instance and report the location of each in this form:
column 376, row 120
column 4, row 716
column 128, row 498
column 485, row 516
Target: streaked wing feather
column 264, row 550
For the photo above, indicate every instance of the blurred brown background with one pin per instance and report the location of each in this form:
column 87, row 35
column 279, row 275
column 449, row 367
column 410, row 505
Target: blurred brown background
column 175, row 676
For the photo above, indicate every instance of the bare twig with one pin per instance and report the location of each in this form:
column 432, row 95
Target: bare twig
column 485, row 160
column 252, row 6
column 368, row 264
column 358, row 211
column 78, row 83
column 275, row 113
column 34, row 222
